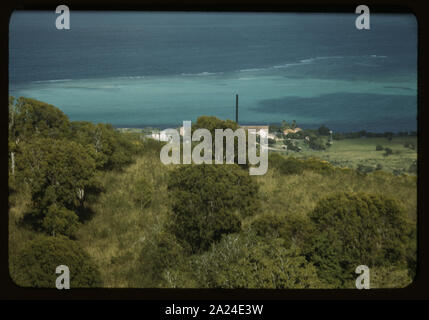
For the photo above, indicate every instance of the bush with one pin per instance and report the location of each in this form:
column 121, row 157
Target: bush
column 57, row 171
column 379, row 147
column 60, row 221
column 160, row 252
column 410, row 145
column 324, row 131
column 387, row 152
column 291, row 145
column 291, row 165
column 36, row 264
column 111, row 149
column 293, row 229
column 355, row 229
column 241, row 261
column 208, row 201
column 317, row 143
column 30, row 118
column 389, row 277
column 364, row 169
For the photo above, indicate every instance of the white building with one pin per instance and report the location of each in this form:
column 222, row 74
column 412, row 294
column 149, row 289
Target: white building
column 161, row 136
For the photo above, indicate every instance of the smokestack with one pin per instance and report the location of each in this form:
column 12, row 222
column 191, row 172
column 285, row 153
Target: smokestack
column 236, row 108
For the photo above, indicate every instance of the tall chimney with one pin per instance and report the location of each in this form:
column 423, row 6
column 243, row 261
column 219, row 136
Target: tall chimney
column 236, row 108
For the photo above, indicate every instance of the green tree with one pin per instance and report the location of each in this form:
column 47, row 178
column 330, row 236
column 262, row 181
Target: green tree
column 159, row 252
column 387, row 152
column 30, row 118
column 207, row 201
column 57, row 172
column 60, row 221
column 356, row 229
column 110, row 148
column 324, row 130
column 293, row 229
column 36, row 264
column 316, row 142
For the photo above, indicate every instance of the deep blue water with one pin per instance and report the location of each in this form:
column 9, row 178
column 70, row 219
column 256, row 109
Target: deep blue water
column 157, row 69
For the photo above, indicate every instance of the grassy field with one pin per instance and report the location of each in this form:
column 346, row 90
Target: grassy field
column 362, row 151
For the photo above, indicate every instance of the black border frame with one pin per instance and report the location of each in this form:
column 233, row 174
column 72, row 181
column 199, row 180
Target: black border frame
column 417, row 290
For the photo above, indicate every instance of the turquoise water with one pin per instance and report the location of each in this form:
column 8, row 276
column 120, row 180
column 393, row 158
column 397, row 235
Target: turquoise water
column 345, row 79
column 167, row 101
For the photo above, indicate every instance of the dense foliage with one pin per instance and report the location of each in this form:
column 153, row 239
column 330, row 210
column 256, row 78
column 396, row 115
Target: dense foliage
column 38, row 261
column 246, row 261
column 58, row 163
column 291, row 165
column 208, row 201
column 57, row 160
column 356, row 229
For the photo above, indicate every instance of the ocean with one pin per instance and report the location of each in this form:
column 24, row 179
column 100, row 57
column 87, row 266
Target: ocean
column 140, row 69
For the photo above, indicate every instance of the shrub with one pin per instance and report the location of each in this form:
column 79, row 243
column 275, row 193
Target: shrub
column 292, row 228
column 379, row 147
column 364, row 169
column 112, row 150
column 36, row 264
column 160, row 252
column 57, row 172
column 317, row 143
column 389, row 277
column 208, row 201
column 291, row 145
column 355, row 229
column 30, row 118
column 60, row 221
column 241, row 261
column 387, row 152
column 324, row 130
column 410, row 145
